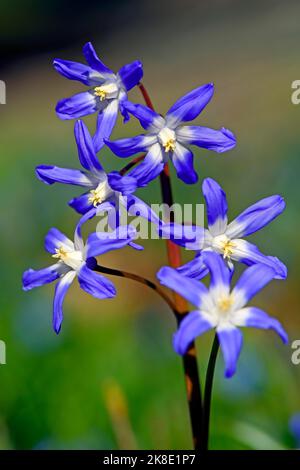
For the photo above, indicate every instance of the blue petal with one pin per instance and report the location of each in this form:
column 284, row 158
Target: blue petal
column 216, row 206
column 220, row 275
column 190, row 237
column 78, row 241
column 73, row 70
column 122, row 107
column 105, row 123
column 32, row 278
column 195, row 269
column 188, row 288
column 56, row 239
column 257, row 318
column 131, row 74
column 256, row 216
column 190, row 105
column 217, row 140
column 139, row 208
column 100, row 242
column 249, row 254
column 123, row 184
column 76, row 106
column 93, row 60
column 152, row 165
column 136, row 246
column 231, row 342
column 127, row 147
column 147, row 117
column 193, row 325
column 95, row 284
column 183, row 161
column 86, row 151
column 81, row 204
column 60, row 291
column 252, row 281
column 54, row 174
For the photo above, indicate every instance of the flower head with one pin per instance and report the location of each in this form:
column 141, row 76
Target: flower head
column 226, row 238
column 106, row 95
column 101, row 187
column 221, row 308
column 104, row 192
column 76, row 259
column 167, row 138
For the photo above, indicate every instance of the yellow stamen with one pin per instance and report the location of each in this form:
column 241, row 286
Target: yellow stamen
column 228, row 249
column 170, row 145
column 97, row 196
column 60, row 253
column 100, row 92
column 225, row 303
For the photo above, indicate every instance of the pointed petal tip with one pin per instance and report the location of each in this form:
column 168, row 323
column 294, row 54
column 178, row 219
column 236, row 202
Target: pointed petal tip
column 229, row 373
column 57, row 329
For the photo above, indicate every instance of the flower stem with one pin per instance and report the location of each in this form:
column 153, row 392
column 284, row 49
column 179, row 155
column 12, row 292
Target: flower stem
column 190, row 364
column 131, row 164
column 208, row 392
column 141, row 280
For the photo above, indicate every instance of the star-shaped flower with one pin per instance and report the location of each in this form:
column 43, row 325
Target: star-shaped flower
column 106, row 95
column 76, row 259
column 221, row 308
column 226, row 238
column 167, row 138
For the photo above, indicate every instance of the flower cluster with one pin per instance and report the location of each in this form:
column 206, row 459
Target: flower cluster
column 166, row 138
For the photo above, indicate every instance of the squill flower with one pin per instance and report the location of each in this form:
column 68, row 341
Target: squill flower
column 76, row 259
column 221, row 308
column 226, row 238
column 106, row 95
column 168, row 139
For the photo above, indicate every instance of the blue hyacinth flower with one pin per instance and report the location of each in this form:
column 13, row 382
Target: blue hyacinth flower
column 76, row 259
column 226, row 238
column 167, row 138
column 106, row 95
column 221, row 308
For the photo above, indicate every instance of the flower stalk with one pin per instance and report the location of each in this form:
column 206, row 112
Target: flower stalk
column 190, row 364
column 208, row 393
column 135, row 277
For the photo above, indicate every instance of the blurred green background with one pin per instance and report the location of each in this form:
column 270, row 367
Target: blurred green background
column 111, row 379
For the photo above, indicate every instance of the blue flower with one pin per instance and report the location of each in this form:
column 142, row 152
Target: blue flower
column 102, row 187
column 220, row 308
column 76, row 259
column 106, row 192
column 106, row 95
column 167, row 138
column 227, row 239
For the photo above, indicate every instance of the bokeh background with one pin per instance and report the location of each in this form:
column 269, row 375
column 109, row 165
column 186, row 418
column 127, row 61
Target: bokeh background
column 111, row 379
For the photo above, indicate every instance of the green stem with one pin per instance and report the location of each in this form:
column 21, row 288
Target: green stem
column 208, row 393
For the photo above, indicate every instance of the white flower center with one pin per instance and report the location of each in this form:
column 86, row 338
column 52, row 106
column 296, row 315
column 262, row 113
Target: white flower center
column 72, row 258
column 223, row 245
column 167, row 138
column 107, row 91
column 100, row 194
